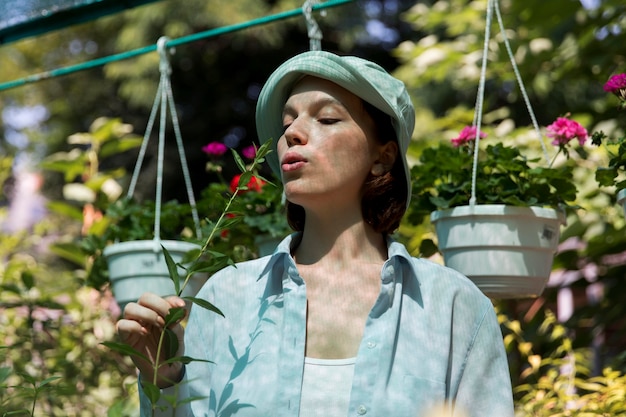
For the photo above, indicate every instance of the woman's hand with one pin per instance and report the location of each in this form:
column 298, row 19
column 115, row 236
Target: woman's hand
column 141, row 329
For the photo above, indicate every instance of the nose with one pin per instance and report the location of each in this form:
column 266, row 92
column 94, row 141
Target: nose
column 295, row 134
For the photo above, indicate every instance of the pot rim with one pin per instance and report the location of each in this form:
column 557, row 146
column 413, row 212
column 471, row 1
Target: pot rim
column 153, row 244
column 487, row 210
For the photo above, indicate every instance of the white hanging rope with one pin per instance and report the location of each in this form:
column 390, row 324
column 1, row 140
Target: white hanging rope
column 313, row 30
column 521, row 84
column 491, row 6
column 164, row 96
column 478, row 113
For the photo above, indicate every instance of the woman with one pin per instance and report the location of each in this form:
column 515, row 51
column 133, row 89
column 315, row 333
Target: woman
column 340, row 320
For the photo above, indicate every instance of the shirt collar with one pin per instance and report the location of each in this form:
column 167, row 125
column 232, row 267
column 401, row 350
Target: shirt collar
column 396, row 251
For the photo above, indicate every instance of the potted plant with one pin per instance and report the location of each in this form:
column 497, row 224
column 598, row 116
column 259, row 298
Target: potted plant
column 127, row 253
column 612, row 173
column 498, row 223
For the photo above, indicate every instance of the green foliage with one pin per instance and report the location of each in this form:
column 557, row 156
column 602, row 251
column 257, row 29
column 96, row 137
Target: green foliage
column 443, row 179
column 52, row 362
column 559, row 382
column 612, row 173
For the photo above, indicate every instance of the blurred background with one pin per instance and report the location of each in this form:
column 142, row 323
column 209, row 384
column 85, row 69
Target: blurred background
column 566, row 347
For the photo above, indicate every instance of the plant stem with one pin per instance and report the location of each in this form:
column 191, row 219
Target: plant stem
column 554, row 157
column 32, row 411
column 157, row 365
column 215, row 228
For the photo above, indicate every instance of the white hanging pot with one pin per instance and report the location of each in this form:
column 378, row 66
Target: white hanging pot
column 139, row 266
column 506, row 251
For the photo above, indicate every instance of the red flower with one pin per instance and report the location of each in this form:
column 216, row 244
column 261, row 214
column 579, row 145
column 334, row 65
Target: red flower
column 564, row 130
column 467, row 135
column 215, row 148
column 255, row 184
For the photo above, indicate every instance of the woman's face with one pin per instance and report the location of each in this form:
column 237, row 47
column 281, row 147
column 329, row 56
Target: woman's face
column 328, row 147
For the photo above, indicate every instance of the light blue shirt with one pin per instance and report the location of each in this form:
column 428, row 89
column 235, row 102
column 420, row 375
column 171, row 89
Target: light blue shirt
column 431, row 338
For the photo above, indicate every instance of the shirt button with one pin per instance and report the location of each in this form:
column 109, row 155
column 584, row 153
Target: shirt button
column 361, row 410
column 371, row 345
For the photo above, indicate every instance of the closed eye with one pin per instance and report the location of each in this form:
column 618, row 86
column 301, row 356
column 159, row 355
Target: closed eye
column 328, row 121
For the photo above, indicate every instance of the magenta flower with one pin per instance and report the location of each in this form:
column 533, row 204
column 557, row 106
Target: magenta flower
column 215, row 149
column 249, row 152
column 563, row 130
column 616, row 82
column 467, row 135
column 617, row 85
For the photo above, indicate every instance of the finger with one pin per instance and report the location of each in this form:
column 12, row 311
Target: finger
column 175, row 301
column 129, row 328
column 145, row 315
column 157, row 303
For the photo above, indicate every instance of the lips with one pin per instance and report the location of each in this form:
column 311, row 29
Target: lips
column 292, row 161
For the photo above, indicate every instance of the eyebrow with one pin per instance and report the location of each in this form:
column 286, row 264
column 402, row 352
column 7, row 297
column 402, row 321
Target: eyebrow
column 326, row 101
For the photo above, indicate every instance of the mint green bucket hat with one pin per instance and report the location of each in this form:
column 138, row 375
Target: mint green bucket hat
column 362, row 78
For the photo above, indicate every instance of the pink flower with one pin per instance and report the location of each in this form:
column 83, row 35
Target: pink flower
column 249, row 152
column 564, row 130
column 617, row 85
column 215, row 148
column 616, row 82
column 467, row 135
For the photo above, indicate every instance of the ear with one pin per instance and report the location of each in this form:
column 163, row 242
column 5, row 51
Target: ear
column 386, row 157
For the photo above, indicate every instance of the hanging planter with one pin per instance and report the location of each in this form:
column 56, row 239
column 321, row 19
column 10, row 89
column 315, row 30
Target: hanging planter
column 506, row 251
column 496, row 213
column 139, row 266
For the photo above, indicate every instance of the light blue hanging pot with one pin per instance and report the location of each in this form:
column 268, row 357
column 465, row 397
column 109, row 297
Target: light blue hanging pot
column 136, row 267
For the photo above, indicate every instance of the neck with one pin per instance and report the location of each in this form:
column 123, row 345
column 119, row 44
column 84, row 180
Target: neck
column 340, row 239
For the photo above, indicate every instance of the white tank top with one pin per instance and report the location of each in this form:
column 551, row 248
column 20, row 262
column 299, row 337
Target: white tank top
column 326, row 386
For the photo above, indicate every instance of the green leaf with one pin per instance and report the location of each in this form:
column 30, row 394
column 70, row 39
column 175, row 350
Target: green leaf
column 240, row 164
column 172, row 270
column 115, row 147
column 204, row 304
column 174, row 315
column 4, row 373
column 65, row 209
column 28, row 279
column 244, row 179
column 152, row 392
column 605, row 176
column 48, row 381
column 171, row 343
column 70, row 252
column 125, row 349
column 22, row 411
column 264, row 149
column 184, row 360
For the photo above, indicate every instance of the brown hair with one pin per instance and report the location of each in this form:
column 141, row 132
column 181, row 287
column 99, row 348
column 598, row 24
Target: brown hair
column 384, row 196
